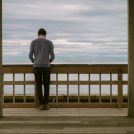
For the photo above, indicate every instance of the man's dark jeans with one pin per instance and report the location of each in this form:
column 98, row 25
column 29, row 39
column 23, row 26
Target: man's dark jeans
column 42, row 76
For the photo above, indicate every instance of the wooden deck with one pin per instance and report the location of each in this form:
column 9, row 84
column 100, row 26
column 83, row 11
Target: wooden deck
column 66, row 121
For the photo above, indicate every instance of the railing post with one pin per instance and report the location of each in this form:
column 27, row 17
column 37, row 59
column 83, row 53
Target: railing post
column 131, row 59
column 1, row 74
column 120, row 91
column 36, row 97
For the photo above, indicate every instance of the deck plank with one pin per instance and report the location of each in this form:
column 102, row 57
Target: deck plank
column 66, row 121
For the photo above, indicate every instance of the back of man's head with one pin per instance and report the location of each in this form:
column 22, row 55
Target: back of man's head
column 42, row 31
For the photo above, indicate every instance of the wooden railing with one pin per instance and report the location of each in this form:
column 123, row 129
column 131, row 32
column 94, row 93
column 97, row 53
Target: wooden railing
column 72, row 85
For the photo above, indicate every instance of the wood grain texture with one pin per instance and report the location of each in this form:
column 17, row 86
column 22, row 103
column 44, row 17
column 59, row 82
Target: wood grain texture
column 1, row 75
column 77, row 69
column 66, row 121
column 65, row 105
column 131, row 59
column 70, row 68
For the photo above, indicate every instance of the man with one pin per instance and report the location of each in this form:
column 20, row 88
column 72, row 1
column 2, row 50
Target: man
column 41, row 55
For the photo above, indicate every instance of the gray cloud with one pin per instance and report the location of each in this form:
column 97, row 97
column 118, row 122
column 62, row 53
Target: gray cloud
column 89, row 21
column 64, row 17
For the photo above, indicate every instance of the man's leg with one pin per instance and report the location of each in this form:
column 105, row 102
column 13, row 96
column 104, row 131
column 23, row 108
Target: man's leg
column 46, row 82
column 38, row 80
column 46, row 93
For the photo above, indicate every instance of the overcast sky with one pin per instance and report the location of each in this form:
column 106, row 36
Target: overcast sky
column 71, row 19
column 65, row 20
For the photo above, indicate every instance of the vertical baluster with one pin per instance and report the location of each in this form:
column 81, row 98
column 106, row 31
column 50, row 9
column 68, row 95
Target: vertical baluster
column 35, row 95
column 67, row 88
column 78, row 88
column 13, row 88
column 56, row 88
column 120, row 91
column 1, row 94
column 24, row 88
column 89, row 92
column 110, row 88
column 100, row 88
column 2, row 88
column 36, row 100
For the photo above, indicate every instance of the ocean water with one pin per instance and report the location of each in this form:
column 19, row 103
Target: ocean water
column 83, row 52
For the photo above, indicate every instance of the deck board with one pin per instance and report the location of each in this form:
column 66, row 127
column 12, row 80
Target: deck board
column 66, row 121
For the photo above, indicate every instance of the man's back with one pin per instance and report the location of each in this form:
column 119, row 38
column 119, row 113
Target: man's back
column 42, row 54
column 41, row 49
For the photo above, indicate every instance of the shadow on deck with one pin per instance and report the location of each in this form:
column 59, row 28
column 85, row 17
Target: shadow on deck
column 66, row 120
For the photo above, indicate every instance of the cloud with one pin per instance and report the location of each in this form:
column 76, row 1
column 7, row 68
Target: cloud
column 62, row 46
column 91, row 25
column 64, row 17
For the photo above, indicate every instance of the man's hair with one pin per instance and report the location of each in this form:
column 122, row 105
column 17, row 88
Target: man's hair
column 42, row 31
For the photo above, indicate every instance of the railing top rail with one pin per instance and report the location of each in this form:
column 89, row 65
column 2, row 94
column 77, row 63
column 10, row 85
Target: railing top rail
column 82, row 64
column 69, row 68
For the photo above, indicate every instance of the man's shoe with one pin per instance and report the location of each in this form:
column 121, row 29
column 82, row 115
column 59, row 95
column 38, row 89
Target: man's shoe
column 46, row 107
column 41, row 107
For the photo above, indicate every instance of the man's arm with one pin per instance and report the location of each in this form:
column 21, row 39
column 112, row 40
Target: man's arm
column 31, row 52
column 51, row 51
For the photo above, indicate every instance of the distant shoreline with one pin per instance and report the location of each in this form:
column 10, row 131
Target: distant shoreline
column 28, row 63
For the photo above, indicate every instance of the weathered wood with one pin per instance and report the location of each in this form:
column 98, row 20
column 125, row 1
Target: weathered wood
column 66, row 121
column 13, row 88
column 110, row 88
column 131, row 59
column 89, row 90
column 67, row 89
column 1, row 74
column 78, row 88
column 64, row 82
column 99, row 88
column 86, row 69
column 120, row 91
column 65, row 105
column 56, row 88
column 25, row 89
column 70, row 68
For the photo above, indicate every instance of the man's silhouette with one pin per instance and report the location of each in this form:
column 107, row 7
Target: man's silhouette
column 41, row 55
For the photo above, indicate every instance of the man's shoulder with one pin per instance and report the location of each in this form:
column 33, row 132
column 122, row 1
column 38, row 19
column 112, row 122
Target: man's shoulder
column 45, row 41
column 35, row 40
column 48, row 41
